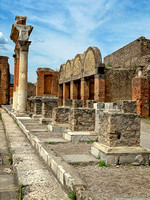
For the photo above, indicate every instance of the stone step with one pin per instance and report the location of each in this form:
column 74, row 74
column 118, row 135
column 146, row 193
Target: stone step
column 80, row 136
column 38, row 182
column 45, row 121
column 80, row 158
column 54, row 140
column 57, row 128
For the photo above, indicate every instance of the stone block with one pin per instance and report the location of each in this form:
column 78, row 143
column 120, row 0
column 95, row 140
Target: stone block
column 77, row 103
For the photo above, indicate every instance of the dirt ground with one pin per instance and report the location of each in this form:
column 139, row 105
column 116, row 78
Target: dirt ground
column 117, row 182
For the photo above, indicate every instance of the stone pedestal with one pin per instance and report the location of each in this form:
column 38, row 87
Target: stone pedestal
column 118, row 134
column 48, row 103
column 37, row 107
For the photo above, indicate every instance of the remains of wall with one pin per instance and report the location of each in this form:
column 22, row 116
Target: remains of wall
column 133, row 54
column 118, row 84
column 31, row 90
column 83, row 65
column 48, row 103
column 128, row 106
column 4, row 80
column 60, row 115
column 82, row 119
column 67, row 102
column 47, row 82
column 77, row 103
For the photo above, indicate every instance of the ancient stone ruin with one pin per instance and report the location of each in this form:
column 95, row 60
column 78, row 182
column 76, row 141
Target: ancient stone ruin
column 20, row 35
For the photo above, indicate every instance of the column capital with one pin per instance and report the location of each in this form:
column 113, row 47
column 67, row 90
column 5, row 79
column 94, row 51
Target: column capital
column 24, row 45
column 17, row 52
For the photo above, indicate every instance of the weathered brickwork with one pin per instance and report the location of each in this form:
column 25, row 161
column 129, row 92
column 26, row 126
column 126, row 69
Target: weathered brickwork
column 133, row 54
column 4, row 80
column 31, row 90
column 48, row 103
column 141, row 93
column 60, row 115
column 47, row 82
column 82, row 119
column 76, row 79
column 118, row 84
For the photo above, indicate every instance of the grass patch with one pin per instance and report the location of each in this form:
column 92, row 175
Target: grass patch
column 0, row 117
column 98, row 157
column 72, row 195
column 102, row 164
column 90, row 142
column 10, row 156
column 148, row 118
column 134, row 66
column 54, row 143
column 20, row 197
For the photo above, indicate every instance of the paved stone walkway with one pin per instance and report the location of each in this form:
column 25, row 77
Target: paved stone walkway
column 38, row 182
column 8, row 181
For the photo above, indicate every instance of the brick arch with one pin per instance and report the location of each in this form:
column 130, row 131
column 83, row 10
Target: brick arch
column 77, row 64
column 68, row 69
column 92, row 58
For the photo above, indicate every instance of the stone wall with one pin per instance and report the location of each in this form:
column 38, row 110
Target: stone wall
column 60, row 115
column 82, row 119
column 4, row 80
column 118, row 84
column 31, row 90
column 119, row 129
column 134, row 53
column 47, row 82
column 48, row 103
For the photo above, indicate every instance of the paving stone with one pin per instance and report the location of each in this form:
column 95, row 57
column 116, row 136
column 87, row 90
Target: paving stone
column 80, row 158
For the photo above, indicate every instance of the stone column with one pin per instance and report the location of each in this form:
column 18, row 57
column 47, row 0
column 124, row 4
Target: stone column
column 84, row 91
column 23, row 68
column 99, row 88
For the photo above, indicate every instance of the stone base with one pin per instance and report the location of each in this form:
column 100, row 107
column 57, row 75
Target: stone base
column 45, row 121
column 80, row 136
column 120, row 155
column 57, row 128
column 36, row 116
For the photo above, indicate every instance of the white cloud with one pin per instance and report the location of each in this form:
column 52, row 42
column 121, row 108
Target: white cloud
column 3, row 39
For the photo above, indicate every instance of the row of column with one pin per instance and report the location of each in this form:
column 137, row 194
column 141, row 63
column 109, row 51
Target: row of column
column 81, row 90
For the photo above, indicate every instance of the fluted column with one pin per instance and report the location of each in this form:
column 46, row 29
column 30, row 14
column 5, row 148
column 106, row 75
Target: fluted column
column 23, row 68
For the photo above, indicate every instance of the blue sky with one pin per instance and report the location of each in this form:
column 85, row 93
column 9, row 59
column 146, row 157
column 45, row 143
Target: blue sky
column 64, row 28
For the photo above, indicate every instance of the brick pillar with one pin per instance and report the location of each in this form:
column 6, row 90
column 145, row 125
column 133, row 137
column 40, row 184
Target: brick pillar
column 99, row 88
column 84, row 90
column 73, row 90
column 60, row 94
column 140, row 93
column 65, row 92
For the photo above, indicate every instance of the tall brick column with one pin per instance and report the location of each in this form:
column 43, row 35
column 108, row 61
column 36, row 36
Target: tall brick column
column 84, row 90
column 65, row 92
column 99, row 88
column 140, row 93
column 73, row 90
